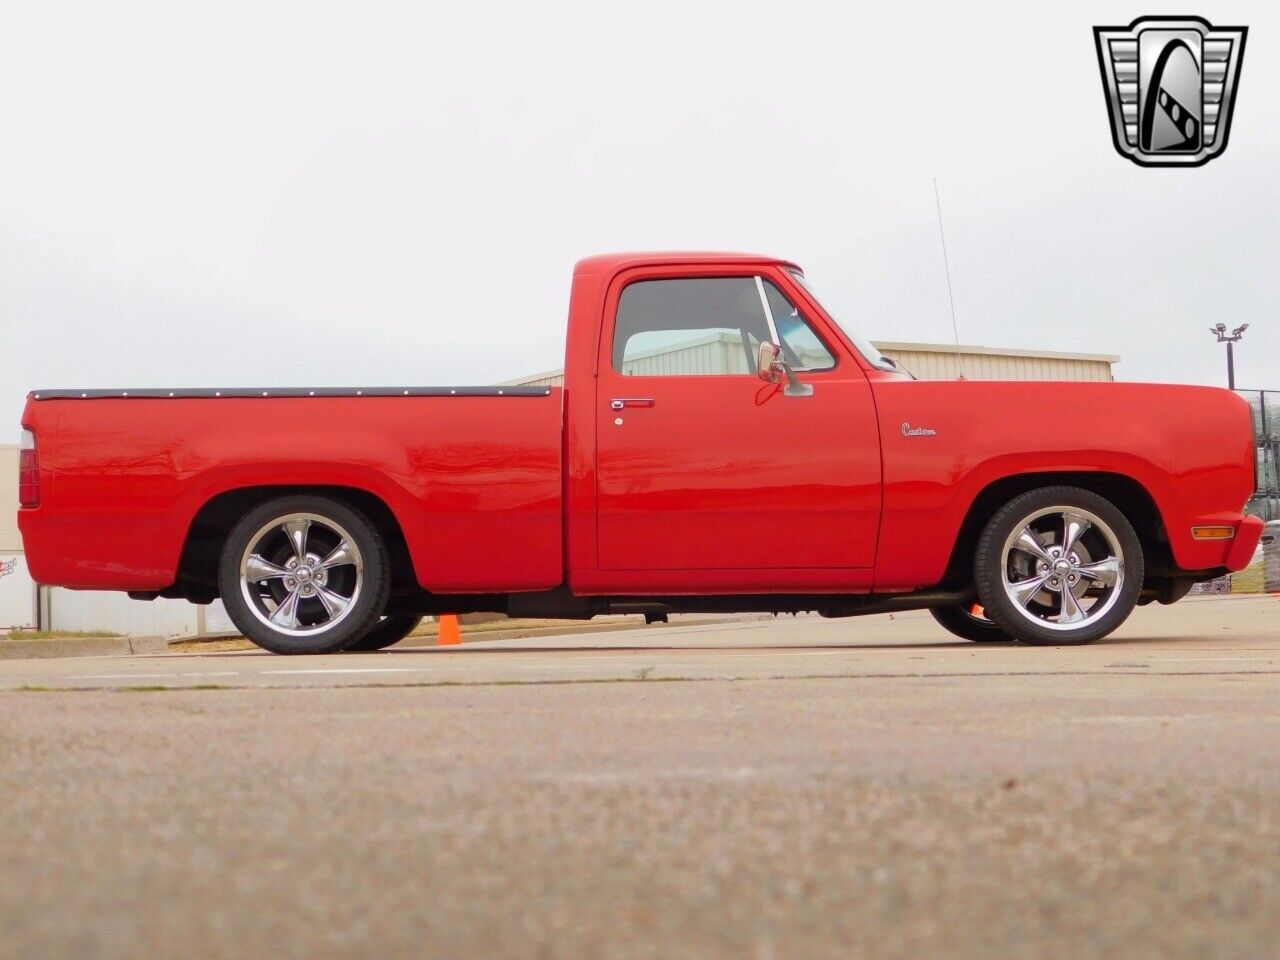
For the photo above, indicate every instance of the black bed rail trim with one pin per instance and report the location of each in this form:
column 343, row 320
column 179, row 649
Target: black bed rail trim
column 269, row 392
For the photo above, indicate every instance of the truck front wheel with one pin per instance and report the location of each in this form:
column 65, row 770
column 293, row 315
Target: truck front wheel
column 1058, row 566
column 969, row 623
column 304, row 574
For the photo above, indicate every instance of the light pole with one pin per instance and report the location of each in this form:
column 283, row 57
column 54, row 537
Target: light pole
column 1220, row 331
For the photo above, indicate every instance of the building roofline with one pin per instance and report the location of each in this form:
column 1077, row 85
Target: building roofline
column 992, row 351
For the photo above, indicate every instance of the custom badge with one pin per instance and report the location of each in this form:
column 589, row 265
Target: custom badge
column 909, row 431
column 1170, row 84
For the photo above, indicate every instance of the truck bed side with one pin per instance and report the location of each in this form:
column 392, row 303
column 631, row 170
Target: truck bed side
column 473, row 478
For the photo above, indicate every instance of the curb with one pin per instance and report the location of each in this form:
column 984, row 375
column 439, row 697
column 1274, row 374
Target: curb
column 125, row 646
column 529, row 633
column 80, row 647
column 191, row 645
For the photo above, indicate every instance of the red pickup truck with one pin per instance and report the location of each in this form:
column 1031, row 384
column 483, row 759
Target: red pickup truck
column 720, row 444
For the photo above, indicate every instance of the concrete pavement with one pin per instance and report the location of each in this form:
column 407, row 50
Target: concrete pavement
column 1201, row 635
column 805, row 789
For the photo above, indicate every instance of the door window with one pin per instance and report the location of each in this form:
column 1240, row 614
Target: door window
column 709, row 326
column 800, row 345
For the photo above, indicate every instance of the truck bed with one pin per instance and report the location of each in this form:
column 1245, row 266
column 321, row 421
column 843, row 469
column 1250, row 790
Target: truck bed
column 473, row 474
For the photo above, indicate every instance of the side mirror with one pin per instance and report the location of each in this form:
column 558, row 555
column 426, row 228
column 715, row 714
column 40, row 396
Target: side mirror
column 770, row 364
column 767, row 364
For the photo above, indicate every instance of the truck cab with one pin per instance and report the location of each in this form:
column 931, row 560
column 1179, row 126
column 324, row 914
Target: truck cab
column 701, row 477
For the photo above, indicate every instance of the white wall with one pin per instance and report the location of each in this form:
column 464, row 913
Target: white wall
column 9, row 538
column 17, row 592
column 117, row 613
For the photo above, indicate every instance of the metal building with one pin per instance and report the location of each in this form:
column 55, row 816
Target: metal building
column 722, row 353
column 937, row 361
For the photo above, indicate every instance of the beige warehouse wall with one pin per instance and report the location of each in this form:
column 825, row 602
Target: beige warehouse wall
column 9, row 539
column 937, row 362
column 928, row 361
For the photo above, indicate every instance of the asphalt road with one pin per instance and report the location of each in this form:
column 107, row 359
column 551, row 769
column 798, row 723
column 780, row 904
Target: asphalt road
column 798, row 789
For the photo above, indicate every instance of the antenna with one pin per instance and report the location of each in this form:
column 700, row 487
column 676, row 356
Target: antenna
column 946, row 263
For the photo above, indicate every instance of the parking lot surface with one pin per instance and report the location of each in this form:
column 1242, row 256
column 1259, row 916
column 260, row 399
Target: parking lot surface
column 765, row 789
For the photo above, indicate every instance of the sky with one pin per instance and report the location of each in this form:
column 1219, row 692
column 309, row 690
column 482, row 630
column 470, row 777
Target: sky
column 381, row 194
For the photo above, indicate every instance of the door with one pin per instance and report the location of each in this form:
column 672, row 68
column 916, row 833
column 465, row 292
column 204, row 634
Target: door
column 709, row 474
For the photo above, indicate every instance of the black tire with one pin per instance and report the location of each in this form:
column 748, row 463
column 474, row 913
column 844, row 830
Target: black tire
column 252, row 601
column 1107, row 533
column 969, row 626
column 387, row 631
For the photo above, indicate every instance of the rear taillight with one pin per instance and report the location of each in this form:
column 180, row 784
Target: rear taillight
column 28, row 471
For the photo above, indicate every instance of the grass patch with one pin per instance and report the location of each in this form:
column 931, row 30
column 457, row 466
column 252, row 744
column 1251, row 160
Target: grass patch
column 210, row 644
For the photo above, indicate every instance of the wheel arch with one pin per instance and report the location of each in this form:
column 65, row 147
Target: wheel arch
column 197, row 575
column 1129, row 496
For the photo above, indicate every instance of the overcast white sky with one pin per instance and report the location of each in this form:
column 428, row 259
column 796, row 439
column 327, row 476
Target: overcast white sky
column 259, row 194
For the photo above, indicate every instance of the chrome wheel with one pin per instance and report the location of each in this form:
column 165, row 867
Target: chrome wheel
column 1063, row 568
column 301, row 574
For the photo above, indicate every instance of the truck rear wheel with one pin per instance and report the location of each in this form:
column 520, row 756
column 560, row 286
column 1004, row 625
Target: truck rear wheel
column 304, row 574
column 385, row 632
column 1058, row 566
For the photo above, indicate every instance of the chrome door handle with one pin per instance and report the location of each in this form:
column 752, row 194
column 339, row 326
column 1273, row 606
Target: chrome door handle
column 623, row 402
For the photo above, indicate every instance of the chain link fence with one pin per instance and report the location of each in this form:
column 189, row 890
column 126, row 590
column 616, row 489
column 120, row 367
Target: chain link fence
column 1265, row 404
column 1265, row 502
column 1264, row 573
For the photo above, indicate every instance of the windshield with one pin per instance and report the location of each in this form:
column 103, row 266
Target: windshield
column 865, row 347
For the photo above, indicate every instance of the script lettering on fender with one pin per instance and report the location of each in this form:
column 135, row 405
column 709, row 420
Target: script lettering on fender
column 909, row 431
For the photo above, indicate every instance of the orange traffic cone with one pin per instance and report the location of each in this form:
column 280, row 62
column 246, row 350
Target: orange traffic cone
column 449, row 632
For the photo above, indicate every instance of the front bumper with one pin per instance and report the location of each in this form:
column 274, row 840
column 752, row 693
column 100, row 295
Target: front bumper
column 1245, row 543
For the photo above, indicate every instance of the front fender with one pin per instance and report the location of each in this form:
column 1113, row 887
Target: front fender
column 1196, row 466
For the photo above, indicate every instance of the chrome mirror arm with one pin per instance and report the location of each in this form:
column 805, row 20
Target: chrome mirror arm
column 794, row 387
